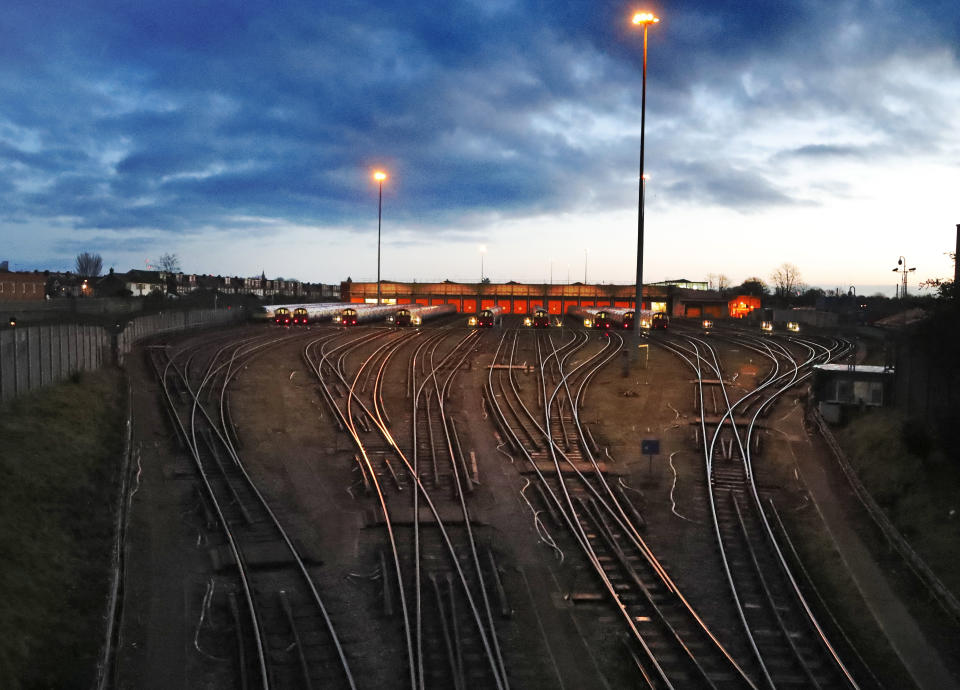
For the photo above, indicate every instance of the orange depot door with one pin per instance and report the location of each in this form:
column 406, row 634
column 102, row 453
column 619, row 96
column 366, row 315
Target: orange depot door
column 469, row 306
column 555, row 306
column 519, row 306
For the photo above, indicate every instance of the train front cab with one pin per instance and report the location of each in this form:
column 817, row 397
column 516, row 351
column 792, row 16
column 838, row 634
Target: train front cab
column 659, row 321
column 487, row 319
column 347, row 317
column 602, row 320
column 300, row 316
column 282, row 316
column 539, row 319
column 403, row 317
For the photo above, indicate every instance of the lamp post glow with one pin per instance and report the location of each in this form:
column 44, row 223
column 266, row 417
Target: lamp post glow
column 644, row 19
column 379, row 176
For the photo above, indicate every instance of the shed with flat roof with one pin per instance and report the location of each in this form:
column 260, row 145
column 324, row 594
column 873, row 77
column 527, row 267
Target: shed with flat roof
column 836, row 386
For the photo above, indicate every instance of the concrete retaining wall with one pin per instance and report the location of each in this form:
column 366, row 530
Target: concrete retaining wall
column 37, row 356
column 171, row 322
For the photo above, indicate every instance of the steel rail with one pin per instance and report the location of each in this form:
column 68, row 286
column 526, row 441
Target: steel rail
column 388, row 436
column 791, row 377
column 615, row 510
column 581, row 538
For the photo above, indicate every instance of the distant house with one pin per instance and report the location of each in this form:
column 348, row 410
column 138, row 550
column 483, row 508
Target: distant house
column 22, row 287
column 111, row 285
column 65, row 284
column 142, row 283
column 185, row 282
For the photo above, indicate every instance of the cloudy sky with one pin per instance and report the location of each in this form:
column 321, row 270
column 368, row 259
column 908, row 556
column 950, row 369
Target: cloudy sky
column 242, row 136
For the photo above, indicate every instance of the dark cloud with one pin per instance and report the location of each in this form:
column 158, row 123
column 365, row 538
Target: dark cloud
column 716, row 184
column 176, row 115
column 819, row 151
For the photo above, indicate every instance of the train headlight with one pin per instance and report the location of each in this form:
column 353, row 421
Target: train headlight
column 707, row 323
column 644, row 323
column 588, row 323
column 766, row 326
column 472, row 321
column 793, row 326
column 527, row 321
column 417, row 320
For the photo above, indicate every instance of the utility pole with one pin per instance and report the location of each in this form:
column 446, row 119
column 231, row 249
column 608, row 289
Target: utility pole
column 956, row 263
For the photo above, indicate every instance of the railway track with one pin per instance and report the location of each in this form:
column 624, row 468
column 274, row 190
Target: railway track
column 789, row 646
column 433, row 577
column 283, row 636
column 439, row 598
column 668, row 643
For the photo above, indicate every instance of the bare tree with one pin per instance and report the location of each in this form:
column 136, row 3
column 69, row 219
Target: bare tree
column 168, row 263
column 786, row 279
column 89, row 265
column 718, row 281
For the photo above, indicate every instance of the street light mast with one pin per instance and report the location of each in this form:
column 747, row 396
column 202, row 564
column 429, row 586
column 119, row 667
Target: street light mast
column 379, row 176
column 644, row 19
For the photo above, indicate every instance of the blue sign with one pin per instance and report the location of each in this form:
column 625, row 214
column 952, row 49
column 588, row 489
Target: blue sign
column 650, row 446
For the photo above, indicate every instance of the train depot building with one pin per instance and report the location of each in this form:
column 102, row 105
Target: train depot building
column 520, row 298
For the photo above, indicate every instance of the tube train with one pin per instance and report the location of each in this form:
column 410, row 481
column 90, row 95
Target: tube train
column 592, row 317
column 656, row 320
column 416, row 314
column 539, row 319
column 619, row 317
column 487, row 318
column 314, row 312
column 363, row 313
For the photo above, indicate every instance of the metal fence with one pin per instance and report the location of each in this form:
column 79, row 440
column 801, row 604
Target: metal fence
column 37, row 356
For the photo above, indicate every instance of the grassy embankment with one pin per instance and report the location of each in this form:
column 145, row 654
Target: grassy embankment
column 914, row 480
column 60, row 454
column 916, row 484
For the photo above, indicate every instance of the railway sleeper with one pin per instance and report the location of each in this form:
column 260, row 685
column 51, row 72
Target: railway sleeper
column 257, row 556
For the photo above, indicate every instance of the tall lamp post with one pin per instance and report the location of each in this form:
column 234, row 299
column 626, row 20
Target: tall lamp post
column 379, row 176
column 902, row 268
column 644, row 19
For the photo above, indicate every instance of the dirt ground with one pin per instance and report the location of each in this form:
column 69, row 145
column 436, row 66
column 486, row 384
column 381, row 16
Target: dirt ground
column 306, row 468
